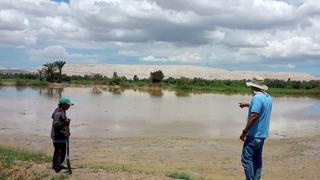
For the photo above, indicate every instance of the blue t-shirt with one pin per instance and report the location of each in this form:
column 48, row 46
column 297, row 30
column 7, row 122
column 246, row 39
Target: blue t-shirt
column 261, row 103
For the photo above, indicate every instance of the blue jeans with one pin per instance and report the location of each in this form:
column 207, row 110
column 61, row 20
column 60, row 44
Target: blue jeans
column 252, row 157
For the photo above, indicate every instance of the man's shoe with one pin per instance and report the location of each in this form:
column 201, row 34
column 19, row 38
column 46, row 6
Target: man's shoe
column 57, row 170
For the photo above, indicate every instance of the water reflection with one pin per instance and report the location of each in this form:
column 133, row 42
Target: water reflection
column 51, row 92
column 96, row 91
column 102, row 111
column 182, row 93
column 21, row 88
column 155, row 92
column 116, row 90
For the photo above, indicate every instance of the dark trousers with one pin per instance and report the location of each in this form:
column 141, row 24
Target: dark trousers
column 58, row 155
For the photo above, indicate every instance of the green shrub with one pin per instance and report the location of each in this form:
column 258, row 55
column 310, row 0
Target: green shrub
column 179, row 175
column 21, row 82
column 184, row 83
column 39, row 83
column 26, row 82
column 157, row 76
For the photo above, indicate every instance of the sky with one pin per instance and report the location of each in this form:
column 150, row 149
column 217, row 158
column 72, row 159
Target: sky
column 253, row 35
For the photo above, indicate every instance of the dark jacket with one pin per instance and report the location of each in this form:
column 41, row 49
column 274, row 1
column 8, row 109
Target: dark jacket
column 60, row 128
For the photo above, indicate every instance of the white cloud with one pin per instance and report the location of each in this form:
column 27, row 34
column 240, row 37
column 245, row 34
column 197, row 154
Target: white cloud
column 50, row 53
column 17, row 38
column 12, row 20
column 54, row 53
column 245, row 38
column 290, row 48
column 200, row 32
column 288, row 66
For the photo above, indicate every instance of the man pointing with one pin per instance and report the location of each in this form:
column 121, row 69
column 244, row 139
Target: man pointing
column 257, row 128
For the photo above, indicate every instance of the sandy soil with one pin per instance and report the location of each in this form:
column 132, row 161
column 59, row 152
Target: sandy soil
column 153, row 157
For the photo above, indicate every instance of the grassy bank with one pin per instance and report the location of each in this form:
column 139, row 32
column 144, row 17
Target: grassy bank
column 23, row 82
column 295, row 92
column 9, row 155
column 13, row 162
column 24, row 164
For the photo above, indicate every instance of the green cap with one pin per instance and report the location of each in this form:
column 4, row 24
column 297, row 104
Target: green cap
column 64, row 100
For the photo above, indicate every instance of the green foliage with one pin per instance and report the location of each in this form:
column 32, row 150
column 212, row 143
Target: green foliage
column 65, row 78
column 3, row 176
column 275, row 83
column 8, row 155
column 26, row 82
column 135, row 78
column 156, row 76
column 19, row 76
column 21, row 82
column 115, row 75
column 81, row 81
column 115, row 81
column 289, row 84
column 50, row 71
column 289, row 87
column 98, row 77
column 38, row 83
column 170, row 80
column 179, row 175
column 40, row 73
column 184, row 83
column 59, row 65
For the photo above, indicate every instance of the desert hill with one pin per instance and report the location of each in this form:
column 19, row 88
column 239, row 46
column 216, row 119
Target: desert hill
column 177, row 71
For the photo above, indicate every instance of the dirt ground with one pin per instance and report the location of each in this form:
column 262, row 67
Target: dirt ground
column 153, row 157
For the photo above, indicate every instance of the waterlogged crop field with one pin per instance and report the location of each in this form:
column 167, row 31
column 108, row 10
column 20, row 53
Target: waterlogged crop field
column 158, row 135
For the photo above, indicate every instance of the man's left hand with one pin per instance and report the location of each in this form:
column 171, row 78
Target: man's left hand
column 242, row 137
column 68, row 121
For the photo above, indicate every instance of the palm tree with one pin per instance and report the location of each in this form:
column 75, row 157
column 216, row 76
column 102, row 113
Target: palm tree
column 59, row 65
column 50, row 70
column 40, row 72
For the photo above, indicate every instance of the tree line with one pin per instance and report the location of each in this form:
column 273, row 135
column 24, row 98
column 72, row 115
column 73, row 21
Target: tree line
column 52, row 72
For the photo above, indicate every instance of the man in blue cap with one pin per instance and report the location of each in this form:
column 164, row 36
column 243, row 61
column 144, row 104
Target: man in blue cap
column 60, row 133
column 257, row 128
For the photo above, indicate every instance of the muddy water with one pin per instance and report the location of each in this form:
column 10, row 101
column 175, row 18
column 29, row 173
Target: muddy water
column 127, row 113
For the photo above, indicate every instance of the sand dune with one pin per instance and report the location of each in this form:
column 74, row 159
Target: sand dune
column 176, row 71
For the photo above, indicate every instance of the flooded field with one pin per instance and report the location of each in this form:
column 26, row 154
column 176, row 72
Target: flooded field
column 131, row 134
column 102, row 112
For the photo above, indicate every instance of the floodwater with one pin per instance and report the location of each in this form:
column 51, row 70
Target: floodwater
column 130, row 113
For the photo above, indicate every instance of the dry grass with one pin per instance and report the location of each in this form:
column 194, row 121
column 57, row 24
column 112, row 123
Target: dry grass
column 197, row 158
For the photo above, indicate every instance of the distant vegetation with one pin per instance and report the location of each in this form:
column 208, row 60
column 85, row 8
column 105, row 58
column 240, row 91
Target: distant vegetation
column 52, row 72
column 156, row 77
